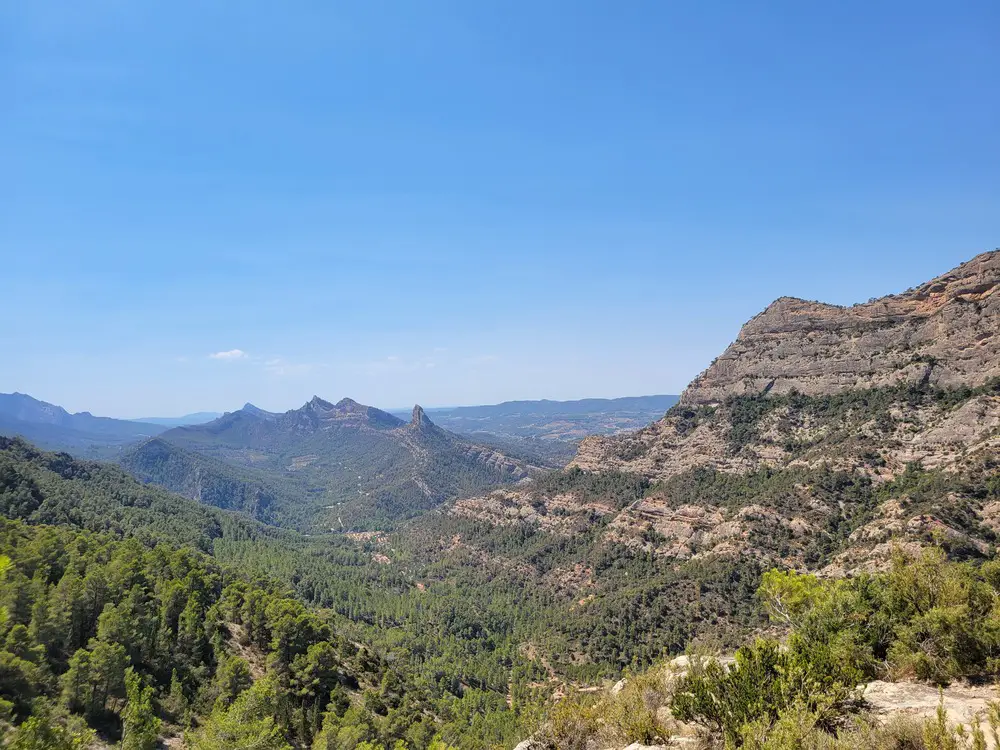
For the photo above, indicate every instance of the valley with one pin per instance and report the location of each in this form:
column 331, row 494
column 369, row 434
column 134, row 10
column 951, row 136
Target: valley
column 556, row 421
column 362, row 577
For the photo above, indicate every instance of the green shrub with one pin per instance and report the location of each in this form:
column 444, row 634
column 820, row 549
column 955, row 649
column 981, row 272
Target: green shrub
column 727, row 699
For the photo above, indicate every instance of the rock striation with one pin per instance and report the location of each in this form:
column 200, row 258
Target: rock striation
column 944, row 335
column 797, row 444
column 945, row 332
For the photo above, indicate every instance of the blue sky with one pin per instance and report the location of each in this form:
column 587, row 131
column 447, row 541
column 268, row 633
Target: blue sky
column 466, row 202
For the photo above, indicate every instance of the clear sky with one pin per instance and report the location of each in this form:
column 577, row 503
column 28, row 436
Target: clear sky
column 451, row 202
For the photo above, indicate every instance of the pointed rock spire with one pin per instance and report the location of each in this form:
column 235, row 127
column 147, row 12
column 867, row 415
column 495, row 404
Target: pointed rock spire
column 419, row 418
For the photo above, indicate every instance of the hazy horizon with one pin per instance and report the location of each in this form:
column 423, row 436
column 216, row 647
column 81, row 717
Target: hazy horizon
column 390, row 409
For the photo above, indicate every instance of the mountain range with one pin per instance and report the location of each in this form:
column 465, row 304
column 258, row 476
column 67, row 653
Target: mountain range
column 465, row 580
column 554, row 420
column 323, row 465
column 336, row 465
column 53, row 427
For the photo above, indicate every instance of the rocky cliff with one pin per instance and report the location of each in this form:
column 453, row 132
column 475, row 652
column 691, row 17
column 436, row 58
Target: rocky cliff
column 908, row 377
column 821, row 438
column 945, row 333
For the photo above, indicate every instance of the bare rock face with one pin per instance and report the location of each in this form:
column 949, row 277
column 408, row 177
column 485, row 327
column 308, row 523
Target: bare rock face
column 963, row 704
column 808, row 391
column 946, row 332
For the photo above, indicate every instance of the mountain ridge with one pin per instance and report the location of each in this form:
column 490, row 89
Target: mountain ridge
column 942, row 332
column 795, row 469
column 342, row 462
column 54, row 428
column 947, row 342
column 552, row 421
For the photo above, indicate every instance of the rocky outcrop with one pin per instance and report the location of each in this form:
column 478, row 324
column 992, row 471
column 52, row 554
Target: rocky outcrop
column 809, row 390
column 945, row 332
column 963, row 704
column 943, row 335
column 946, row 435
column 880, row 702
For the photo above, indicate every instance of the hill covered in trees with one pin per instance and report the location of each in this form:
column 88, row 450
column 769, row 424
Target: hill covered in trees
column 324, row 466
column 133, row 613
column 832, row 535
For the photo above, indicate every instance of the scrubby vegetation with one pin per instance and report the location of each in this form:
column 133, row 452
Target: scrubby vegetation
column 846, row 408
column 132, row 613
column 926, row 619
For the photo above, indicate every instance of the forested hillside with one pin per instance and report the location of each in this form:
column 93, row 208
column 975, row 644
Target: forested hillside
column 324, row 466
column 134, row 613
column 275, row 499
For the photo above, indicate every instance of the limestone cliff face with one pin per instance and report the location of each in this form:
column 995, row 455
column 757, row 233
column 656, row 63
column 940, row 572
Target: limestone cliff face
column 946, row 332
column 823, row 438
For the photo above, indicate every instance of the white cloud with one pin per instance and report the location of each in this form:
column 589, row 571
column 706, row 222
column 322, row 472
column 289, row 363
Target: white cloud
column 232, row 354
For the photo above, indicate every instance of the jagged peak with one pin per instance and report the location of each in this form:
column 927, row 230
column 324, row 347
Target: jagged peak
column 318, row 403
column 347, row 410
column 419, row 416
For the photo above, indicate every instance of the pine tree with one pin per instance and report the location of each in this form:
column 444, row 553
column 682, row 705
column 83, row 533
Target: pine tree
column 176, row 703
column 246, row 725
column 140, row 726
column 76, row 683
column 231, row 679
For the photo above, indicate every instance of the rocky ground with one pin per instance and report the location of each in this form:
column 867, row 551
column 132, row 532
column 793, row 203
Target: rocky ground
column 880, row 702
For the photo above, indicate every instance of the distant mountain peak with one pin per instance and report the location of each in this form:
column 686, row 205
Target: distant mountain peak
column 27, row 408
column 318, row 403
column 348, row 404
column 53, row 427
column 422, row 424
column 256, row 411
column 419, row 417
column 318, row 411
